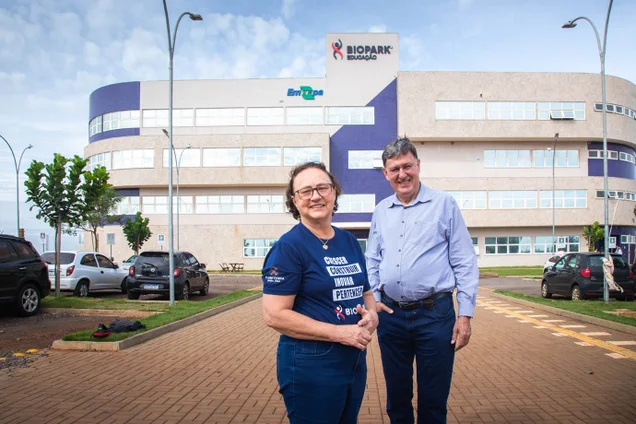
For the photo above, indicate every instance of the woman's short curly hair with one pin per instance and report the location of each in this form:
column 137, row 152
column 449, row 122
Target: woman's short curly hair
column 289, row 193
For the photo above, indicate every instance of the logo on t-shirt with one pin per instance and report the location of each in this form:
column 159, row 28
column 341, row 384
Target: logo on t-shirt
column 339, row 313
column 273, row 271
column 272, row 276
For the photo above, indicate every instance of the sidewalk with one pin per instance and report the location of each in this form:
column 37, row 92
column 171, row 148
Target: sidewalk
column 222, row 370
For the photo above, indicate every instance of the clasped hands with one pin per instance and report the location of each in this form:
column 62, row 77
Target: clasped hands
column 359, row 335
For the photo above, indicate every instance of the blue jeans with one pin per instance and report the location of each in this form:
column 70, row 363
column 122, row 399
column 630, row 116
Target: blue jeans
column 321, row 382
column 423, row 334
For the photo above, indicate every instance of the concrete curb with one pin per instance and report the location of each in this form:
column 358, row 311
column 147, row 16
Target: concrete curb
column 585, row 318
column 150, row 334
column 128, row 313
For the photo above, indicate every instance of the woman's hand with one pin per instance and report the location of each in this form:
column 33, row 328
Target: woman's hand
column 369, row 319
column 353, row 335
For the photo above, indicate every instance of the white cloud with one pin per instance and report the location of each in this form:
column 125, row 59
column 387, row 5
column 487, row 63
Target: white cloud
column 287, row 9
column 377, row 28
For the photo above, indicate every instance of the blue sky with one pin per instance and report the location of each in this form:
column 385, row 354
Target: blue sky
column 54, row 53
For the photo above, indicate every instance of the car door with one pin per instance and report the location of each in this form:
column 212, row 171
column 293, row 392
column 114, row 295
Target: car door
column 90, row 270
column 196, row 270
column 189, row 271
column 10, row 273
column 567, row 274
column 555, row 277
column 110, row 277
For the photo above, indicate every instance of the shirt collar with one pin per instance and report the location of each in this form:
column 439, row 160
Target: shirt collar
column 423, row 195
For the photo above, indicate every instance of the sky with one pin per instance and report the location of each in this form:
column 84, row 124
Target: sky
column 55, row 53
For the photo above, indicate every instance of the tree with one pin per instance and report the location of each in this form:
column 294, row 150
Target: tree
column 137, row 232
column 101, row 215
column 593, row 234
column 63, row 192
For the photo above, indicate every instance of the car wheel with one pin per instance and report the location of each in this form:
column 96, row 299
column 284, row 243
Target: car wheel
column 133, row 296
column 81, row 289
column 185, row 293
column 206, row 287
column 576, row 293
column 28, row 300
column 124, row 289
column 545, row 293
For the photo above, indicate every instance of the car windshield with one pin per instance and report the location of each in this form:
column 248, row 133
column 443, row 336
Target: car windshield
column 65, row 258
column 131, row 259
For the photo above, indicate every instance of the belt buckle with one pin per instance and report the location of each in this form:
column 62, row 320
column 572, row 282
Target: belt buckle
column 407, row 306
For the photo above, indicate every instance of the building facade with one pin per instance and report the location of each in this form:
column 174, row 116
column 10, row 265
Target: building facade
column 486, row 138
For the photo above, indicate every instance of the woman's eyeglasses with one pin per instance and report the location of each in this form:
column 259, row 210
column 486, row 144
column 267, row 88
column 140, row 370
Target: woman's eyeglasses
column 306, row 193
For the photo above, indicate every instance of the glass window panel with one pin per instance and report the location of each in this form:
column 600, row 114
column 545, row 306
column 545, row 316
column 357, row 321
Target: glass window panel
column 221, row 157
column 220, row 117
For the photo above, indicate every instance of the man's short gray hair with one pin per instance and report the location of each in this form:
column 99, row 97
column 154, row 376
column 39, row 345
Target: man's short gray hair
column 398, row 147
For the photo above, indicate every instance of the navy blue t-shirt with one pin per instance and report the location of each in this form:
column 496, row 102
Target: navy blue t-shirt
column 328, row 284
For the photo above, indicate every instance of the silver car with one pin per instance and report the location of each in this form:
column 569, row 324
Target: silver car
column 83, row 272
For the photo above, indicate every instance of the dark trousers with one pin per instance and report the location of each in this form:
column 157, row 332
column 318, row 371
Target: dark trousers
column 321, row 382
column 423, row 334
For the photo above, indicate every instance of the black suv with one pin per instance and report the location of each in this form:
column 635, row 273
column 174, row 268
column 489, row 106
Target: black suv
column 24, row 276
column 151, row 271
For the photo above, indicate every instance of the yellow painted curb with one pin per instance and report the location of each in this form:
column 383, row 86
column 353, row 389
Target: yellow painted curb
column 3, row 359
column 18, row 355
column 32, row 351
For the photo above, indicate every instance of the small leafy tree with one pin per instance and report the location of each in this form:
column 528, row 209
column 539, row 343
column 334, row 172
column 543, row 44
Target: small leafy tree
column 63, row 192
column 593, row 234
column 137, row 232
column 101, row 215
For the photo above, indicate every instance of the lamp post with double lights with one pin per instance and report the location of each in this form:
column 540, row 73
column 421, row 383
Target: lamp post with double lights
column 178, row 198
column 171, row 43
column 17, row 164
column 602, row 50
column 556, row 138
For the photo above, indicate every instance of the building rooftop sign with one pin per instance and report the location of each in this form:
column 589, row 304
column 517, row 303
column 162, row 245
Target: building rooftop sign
column 359, row 52
column 305, row 91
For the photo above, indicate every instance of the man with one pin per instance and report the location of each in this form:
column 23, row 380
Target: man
column 419, row 251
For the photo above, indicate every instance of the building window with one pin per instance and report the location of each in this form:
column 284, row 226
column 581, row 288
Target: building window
column 304, row 115
column 121, row 119
column 511, row 110
column 545, row 244
column 564, row 158
column 628, row 239
column 101, row 159
column 129, row 205
column 470, row 199
column 626, row 157
column 95, row 126
column 220, row 117
column 598, row 154
column 507, row 158
column 185, row 204
column 261, row 156
column 257, row 248
column 350, row 116
column 365, row 159
column 561, row 111
column 507, row 245
column 128, row 159
column 221, row 157
column 512, row 199
column 363, row 244
column 475, row 245
column 265, row 116
column 220, row 204
column 297, row 155
column 563, row 198
column 184, row 158
column 154, row 205
column 356, row 203
column 158, row 118
column 265, row 204
column 460, row 110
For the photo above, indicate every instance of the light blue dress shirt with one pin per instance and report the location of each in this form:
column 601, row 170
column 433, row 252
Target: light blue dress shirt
column 420, row 249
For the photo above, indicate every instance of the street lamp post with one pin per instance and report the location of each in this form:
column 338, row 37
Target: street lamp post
column 171, row 43
column 556, row 137
column 602, row 52
column 178, row 198
column 17, row 183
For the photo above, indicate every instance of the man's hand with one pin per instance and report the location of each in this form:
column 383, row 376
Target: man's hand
column 381, row 307
column 461, row 332
column 369, row 319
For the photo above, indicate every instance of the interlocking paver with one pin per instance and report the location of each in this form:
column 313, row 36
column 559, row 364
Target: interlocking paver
column 222, row 370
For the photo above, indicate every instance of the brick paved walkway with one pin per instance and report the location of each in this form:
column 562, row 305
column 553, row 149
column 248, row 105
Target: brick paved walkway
column 222, row 370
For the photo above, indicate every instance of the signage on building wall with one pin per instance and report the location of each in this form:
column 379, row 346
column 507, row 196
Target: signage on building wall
column 305, row 91
column 359, row 52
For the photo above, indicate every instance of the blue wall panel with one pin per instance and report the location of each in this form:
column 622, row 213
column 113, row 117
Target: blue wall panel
column 615, row 168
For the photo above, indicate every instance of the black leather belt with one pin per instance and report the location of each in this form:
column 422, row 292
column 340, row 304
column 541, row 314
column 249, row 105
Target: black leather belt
column 426, row 303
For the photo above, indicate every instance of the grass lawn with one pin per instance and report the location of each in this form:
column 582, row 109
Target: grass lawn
column 593, row 308
column 73, row 302
column 181, row 310
column 506, row 271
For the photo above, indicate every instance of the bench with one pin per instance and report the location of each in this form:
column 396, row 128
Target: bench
column 224, row 267
column 237, row 266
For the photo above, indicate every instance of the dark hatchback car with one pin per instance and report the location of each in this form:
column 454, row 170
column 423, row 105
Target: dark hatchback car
column 24, row 276
column 580, row 276
column 151, row 275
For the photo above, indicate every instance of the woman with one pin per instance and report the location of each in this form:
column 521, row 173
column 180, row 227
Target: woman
column 314, row 285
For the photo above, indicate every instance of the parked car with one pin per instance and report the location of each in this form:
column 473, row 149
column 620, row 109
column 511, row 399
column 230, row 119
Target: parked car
column 24, row 280
column 580, row 276
column 128, row 262
column 83, row 272
column 552, row 260
column 151, row 271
